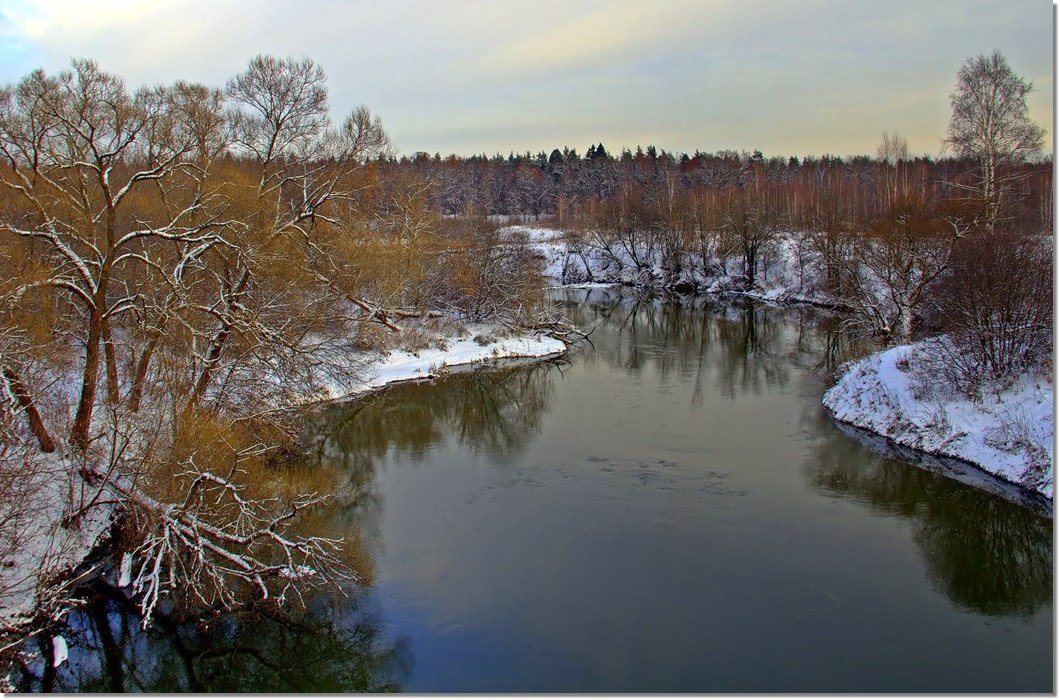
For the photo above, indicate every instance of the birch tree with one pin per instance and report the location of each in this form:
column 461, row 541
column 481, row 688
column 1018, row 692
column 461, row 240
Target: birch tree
column 990, row 124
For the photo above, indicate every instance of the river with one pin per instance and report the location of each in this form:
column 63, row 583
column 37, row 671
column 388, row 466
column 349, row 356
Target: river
column 668, row 509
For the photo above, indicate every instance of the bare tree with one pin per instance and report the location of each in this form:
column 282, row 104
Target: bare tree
column 78, row 150
column 893, row 148
column 891, row 269
column 220, row 541
column 751, row 225
column 989, row 123
column 829, row 230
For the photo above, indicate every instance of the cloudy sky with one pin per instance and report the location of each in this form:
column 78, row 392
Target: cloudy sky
column 468, row 76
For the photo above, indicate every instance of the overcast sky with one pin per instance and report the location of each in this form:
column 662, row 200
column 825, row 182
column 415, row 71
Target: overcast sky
column 787, row 77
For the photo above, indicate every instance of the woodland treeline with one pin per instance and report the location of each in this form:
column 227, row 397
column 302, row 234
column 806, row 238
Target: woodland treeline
column 880, row 237
column 565, row 182
column 902, row 242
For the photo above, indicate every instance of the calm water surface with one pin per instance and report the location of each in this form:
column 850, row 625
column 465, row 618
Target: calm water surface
column 671, row 510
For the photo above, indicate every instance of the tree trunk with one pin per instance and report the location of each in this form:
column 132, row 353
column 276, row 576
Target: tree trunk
column 110, row 364
column 212, row 357
column 989, row 192
column 25, row 402
column 904, row 324
column 219, row 340
column 137, row 391
column 89, row 381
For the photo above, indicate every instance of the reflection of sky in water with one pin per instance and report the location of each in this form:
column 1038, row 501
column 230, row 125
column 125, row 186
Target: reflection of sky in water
column 673, row 510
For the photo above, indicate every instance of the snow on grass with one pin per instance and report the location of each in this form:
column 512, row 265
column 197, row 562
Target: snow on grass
column 474, row 346
column 1008, row 433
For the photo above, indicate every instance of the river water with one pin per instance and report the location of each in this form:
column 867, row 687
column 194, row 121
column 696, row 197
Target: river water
column 669, row 509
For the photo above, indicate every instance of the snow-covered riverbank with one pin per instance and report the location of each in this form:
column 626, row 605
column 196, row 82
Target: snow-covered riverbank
column 1008, row 434
column 475, row 346
column 47, row 544
column 786, row 274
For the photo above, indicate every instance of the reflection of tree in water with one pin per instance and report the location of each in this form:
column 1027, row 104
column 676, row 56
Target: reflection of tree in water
column 987, row 554
column 495, row 412
column 745, row 345
column 499, row 413
column 333, row 646
column 824, row 341
column 753, row 348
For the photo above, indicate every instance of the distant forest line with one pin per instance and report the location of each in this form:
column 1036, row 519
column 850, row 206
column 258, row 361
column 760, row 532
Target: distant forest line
column 565, row 181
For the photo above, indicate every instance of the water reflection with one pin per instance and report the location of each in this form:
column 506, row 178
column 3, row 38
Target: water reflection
column 495, row 413
column 985, row 544
column 987, row 553
column 332, row 646
column 747, row 347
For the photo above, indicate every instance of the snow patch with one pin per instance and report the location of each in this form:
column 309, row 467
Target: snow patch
column 534, row 234
column 475, row 346
column 47, row 544
column 61, row 651
column 125, row 577
column 781, row 278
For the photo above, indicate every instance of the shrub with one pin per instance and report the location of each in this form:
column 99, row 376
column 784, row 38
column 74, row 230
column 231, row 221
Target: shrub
column 996, row 307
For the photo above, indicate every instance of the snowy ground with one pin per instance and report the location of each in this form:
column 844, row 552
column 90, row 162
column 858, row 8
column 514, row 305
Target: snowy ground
column 476, row 345
column 1009, row 434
